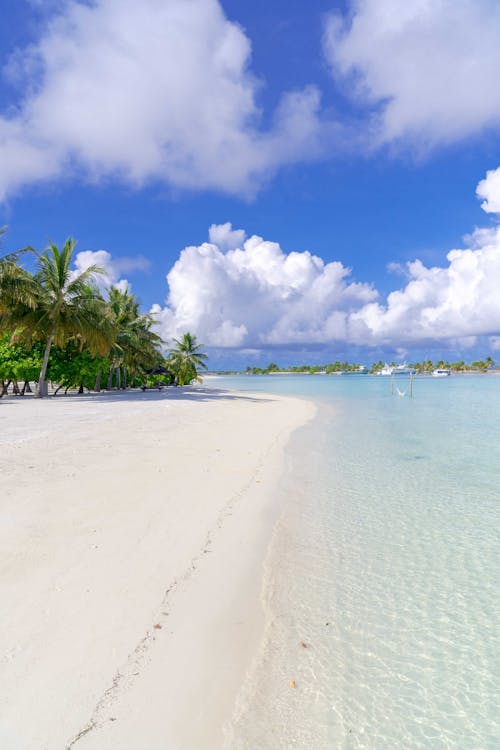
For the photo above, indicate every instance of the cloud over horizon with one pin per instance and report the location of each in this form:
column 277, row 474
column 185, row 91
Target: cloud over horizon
column 254, row 295
column 257, row 295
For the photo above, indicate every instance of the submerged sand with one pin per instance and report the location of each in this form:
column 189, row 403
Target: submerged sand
column 133, row 530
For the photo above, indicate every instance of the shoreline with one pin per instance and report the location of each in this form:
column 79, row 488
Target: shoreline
column 123, row 520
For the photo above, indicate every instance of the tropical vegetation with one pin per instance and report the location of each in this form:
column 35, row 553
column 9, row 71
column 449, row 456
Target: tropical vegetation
column 186, row 359
column 56, row 324
column 425, row 367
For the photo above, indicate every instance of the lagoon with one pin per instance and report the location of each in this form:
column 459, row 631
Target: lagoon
column 381, row 582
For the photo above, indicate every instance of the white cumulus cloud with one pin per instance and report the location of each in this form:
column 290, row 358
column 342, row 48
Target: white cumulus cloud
column 257, row 295
column 489, row 190
column 458, row 301
column 427, row 69
column 151, row 90
column 225, row 237
column 112, row 267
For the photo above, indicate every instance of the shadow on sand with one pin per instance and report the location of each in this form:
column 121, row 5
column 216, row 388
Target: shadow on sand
column 196, row 393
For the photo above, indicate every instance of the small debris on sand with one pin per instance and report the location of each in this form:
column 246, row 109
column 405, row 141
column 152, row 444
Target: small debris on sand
column 292, row 684
column 157, row 626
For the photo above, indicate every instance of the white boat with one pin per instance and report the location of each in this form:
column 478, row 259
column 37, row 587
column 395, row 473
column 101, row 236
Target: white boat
column 441, row 372
column 403, row 369
column 386, row 370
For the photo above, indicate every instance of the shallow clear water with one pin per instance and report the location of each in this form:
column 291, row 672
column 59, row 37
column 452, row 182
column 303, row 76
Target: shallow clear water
column 385, row 565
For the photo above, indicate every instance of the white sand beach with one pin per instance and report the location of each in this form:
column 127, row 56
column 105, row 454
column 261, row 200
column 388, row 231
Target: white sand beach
column 133, row 530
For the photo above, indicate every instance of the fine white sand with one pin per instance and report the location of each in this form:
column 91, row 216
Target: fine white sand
column 132, row 533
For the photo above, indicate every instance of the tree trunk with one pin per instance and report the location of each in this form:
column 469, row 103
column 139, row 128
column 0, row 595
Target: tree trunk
column 5, row 388
column 118, row 377
column 124, row 378
column 41, row 386
column 110, row 378
column 15, row 388
column 57, row 390
column 97, row 384
column 80, row 390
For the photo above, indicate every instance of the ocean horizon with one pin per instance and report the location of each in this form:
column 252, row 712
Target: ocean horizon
column 381, row 581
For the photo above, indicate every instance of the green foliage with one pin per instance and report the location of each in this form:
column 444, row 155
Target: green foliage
column 61, row 317
column 17, row 362
column 186, row 358
column 55, row 305
column 72, row 366
column 483, row 364
column 425, row 367
column 135, row 346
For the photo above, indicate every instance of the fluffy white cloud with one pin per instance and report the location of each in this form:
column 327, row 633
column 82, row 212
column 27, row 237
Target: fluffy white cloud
column 225, row 237
column 150, row 90
column 429, row 69
column 455, row 302
column 112, row 267
column 489, row 189
column 257, row 295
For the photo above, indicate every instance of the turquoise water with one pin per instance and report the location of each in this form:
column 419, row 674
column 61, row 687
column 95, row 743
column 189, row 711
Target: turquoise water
column 385, row 565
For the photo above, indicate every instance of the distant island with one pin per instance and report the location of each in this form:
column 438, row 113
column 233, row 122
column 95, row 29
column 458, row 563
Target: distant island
column 426, row 367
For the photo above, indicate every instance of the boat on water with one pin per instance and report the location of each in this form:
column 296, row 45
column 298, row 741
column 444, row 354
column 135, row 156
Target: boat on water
column 441, row 372
column 386, row 370
column 403, row 369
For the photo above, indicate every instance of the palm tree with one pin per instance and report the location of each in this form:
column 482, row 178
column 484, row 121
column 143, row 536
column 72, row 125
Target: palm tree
column 489, row 362
column 54, row 305
column 185, row 359
column 136, row 346
column 16, row 284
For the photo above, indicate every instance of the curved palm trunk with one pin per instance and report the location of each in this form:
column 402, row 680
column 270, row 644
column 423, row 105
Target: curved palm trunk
column 41, row 386
column 118, row 377
column 110, row 378
column 97, row 384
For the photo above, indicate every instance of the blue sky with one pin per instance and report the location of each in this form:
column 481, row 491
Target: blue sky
column 357, row 131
